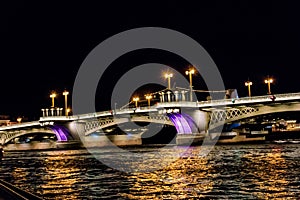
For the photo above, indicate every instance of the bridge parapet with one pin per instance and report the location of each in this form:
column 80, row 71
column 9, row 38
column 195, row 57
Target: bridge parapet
column 226, row 102
column 249, row 100
column 20, row 125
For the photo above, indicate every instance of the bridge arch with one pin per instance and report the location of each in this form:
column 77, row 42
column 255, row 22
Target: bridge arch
column 8, row 136
column 254, row 111
column 183, row 123
column 95, row 125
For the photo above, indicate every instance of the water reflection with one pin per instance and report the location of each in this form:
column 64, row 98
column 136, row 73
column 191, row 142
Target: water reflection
column 228, row 172
column 62, row 173
column 267, row 172
column 187, row 177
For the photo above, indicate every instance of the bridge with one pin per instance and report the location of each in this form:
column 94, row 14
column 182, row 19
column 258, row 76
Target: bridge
column 189, row 118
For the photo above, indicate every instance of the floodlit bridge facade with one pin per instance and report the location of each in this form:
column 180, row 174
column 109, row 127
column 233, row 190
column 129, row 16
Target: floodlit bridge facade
column 187, row 117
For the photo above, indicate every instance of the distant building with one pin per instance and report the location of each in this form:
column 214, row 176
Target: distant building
column 231, row 94
column 4, row 120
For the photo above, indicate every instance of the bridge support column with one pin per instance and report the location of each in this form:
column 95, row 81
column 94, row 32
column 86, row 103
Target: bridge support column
column 201, row 118
column 198, row 121
column 169, row 96
column 47, row 112
column 176, row 95
column 43, row 111
column 182, row 95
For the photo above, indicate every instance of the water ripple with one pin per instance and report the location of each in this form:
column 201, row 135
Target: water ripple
column 228, row 172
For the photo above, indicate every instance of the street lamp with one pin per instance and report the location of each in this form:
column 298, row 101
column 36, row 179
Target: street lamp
column 248, row 83
column 169, row 76
column 148, row 97
column 66, row 93
column 136, row 99
column 190, row 72
column 269, row 81
column 19, row 119
column 53, row 95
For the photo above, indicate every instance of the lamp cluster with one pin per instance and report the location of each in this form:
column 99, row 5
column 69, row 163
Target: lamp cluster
column 189, row 72
column 267, row 81
column 57, row 111
column 147, row 96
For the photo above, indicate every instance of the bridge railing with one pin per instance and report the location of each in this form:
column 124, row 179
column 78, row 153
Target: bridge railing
column 223, row 102
column 245, row 100
column 20, row 125
column 212, row 103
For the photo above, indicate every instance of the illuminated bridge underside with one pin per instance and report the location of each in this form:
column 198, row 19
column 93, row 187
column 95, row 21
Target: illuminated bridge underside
column 96, row 125
column 219, row 117
column 8, row 136
column 62, row 133
column 213, row 117
column 183, row 123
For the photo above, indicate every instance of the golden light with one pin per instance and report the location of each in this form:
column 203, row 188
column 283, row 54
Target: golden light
column 53, row 95
column 19, row 119
column 248, row 83
column 168, row 75
column 190, row 72
column 148, row 97
column 269, row 81
column 136, row 99
column 68, row 110
column 66, row 93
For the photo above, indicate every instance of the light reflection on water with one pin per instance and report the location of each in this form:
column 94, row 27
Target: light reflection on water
column 229, row 171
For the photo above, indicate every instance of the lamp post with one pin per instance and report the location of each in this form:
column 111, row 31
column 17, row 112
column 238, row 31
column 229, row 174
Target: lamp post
column 248, row 83
column 269, row 81
column 169, row 76
column 66, row 93
column 190, row 72
column 148, row 97
column 136, row 99
column 53, row 95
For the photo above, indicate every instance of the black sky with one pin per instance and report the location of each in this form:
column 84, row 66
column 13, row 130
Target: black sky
column 43, row 43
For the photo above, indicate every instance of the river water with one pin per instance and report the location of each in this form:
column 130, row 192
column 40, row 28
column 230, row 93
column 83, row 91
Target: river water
column 252, row 171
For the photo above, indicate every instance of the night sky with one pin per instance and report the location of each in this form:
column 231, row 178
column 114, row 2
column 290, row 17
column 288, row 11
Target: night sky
column 43, row 44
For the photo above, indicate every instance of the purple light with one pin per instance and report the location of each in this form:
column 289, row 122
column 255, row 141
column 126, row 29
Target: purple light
column 191, row 122
column 60, row 132
column 176, row 123
column 182, row 124
column 185, row 124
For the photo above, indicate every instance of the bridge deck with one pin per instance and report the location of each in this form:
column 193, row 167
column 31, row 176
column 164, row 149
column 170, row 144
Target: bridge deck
column 202, row 104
